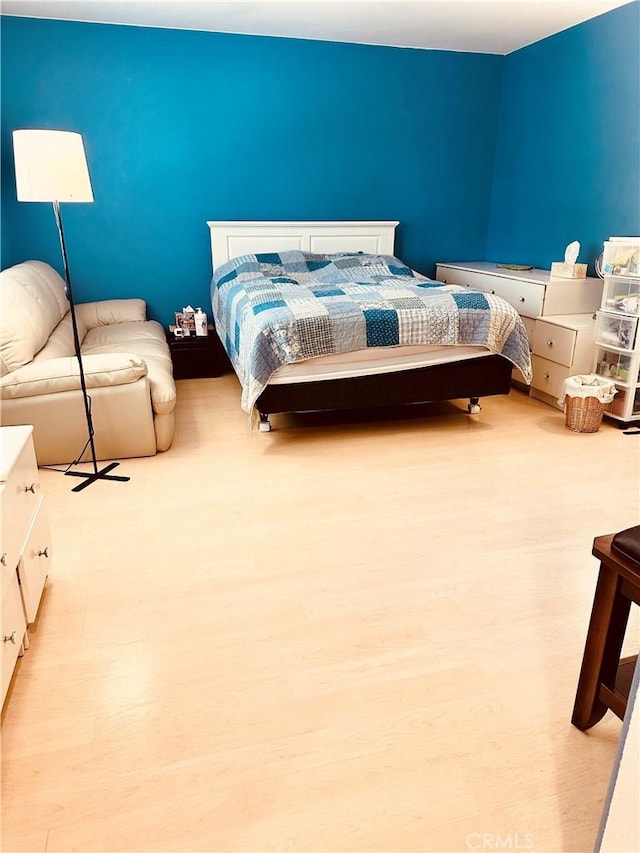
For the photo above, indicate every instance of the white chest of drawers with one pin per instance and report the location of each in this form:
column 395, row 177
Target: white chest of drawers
column 561, row 346
column 25, row 543
column 558, row 315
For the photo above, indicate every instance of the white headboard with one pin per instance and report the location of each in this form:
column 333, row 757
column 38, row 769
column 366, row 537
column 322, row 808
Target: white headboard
column 231, row 239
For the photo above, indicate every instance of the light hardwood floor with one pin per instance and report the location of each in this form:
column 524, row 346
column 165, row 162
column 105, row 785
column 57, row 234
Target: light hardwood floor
column 346, row 635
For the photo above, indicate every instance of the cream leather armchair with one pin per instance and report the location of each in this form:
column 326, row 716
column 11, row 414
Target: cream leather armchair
column 126, row 361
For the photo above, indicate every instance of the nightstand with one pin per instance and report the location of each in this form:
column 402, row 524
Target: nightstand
column 197, row 357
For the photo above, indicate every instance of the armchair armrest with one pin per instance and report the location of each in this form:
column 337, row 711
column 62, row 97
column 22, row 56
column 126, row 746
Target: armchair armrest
column 63, row 374
column 109, row 311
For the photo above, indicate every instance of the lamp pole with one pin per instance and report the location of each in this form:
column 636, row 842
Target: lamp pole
column 96, row 475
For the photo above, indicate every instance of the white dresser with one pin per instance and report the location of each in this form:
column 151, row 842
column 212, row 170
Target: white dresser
column 25, row 543
column 558, row 315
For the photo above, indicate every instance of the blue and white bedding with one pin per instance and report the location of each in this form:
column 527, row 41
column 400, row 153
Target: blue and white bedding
column 274, row 309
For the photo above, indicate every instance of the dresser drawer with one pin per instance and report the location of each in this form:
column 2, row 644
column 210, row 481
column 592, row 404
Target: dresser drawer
column 527, row 297
column 463, row 277
column 554, row 343
column 19, row 497
column 13, row 629
column 469, row 278
column 34, row 564
column 549, row 376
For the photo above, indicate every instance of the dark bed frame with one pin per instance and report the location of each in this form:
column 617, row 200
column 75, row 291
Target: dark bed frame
column 470, row 378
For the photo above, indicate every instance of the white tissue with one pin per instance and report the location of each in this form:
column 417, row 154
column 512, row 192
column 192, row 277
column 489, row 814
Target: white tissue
column 571, row 252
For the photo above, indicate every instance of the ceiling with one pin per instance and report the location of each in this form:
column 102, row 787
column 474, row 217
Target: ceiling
column 477, row 26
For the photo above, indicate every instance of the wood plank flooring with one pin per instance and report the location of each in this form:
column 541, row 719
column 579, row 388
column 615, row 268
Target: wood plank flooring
column 345, row 635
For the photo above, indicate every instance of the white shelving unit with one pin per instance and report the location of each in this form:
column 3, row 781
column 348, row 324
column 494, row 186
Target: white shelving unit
column 617, row 341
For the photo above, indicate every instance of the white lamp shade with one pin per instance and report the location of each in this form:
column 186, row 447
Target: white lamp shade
column 51, row 166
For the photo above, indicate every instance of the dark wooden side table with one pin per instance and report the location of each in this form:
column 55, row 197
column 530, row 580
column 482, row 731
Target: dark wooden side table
column 197, row 357
column 605, row 678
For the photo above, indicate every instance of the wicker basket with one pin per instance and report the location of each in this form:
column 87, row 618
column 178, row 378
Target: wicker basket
column 584, row 414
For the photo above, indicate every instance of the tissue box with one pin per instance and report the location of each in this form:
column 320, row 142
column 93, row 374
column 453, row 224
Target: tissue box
column 564, row 270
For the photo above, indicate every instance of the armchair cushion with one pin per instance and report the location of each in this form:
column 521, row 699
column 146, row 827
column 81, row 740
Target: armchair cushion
column 63, row 374
column 148, row 341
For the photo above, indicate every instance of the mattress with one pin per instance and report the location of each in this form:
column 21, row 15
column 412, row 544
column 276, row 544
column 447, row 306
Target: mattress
column 284, row 308
column 370, row 361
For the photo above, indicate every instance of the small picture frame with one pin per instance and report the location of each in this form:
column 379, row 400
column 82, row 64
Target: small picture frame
column 186, row 320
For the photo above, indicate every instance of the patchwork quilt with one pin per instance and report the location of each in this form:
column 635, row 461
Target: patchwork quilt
column 274, row 309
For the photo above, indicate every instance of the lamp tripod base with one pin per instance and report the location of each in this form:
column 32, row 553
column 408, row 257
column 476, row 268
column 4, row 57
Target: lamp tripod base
column 91, row 477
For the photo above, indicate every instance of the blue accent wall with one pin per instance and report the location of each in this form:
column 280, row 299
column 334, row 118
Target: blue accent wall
column 478, row 156
column 568, row 154
column 181, row 127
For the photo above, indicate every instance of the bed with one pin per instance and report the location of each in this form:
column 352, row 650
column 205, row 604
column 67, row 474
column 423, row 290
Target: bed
column 303, row 311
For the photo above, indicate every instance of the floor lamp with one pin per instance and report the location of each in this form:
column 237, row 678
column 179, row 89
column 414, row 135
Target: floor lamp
column 51, row 166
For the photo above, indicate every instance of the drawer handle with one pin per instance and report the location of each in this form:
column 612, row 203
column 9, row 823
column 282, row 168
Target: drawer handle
column 493, row 292
column 546, row 376
column 549, row 343
column 522, row 299
column 44, row 553
column 3, row 559
column 10, row 638
column 31, row 488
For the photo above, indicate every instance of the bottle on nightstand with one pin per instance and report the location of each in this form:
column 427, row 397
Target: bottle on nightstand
column 201, row 323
